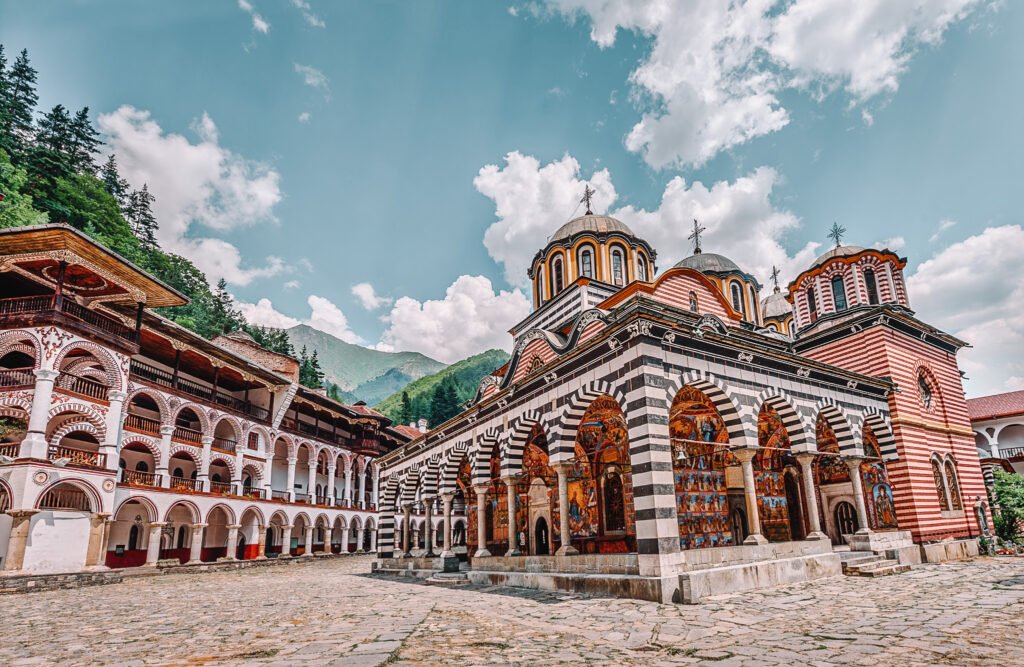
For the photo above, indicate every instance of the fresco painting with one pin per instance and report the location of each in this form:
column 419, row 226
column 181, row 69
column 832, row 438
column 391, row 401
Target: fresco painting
column 877, row 490
column 769, row 476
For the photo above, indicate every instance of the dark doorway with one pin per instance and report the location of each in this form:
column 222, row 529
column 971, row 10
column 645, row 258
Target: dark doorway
column 540, row 534
column 739, row 525
column 795, row 508
column 240, row 549
column 846, row 519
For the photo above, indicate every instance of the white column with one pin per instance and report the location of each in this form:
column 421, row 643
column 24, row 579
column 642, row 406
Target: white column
column 291, row 478
column 308, row 549
column 481, row 520
column 853, row 463
column 348, row 485
column 115, row 419
column 34, row 445
column 203, row 474
column 746, row 456
column 330, row 484
column 236, row 478
column 153, row 546
column 406, row 532
column 232, row 541
column 806, row 461
column 513, row 536
column 163, row 476
column 446, row 500
column 428, row 527
column 195, row 553
column 362, row 488
column 261, row 553
column 311, row 483
column 376, row 488
column 344, row 539
column 373, row 540
column 565, row 533
column 286, row 541
column 360, row 539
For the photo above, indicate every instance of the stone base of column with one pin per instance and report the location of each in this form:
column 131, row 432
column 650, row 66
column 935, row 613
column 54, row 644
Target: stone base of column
column 514, row 552
column 358, row 551
column 482, row 553
column 260, row 558
column 863, row 531
column 816, row 536
column 567, row 550
column 449, row 563
column 308, row 554
column 755, row 539
column 33, row 446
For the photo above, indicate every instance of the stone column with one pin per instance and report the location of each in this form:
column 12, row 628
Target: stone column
column 406, row 531
column 362, row 489
column 513, row 535
column 481, row 521
column 360, row 539
column 373, row 540
column 291, row 478
column 746, row 456
column 34, row 445
column 153, row 546
column 330, row 485
column 311, row 482
column 21, row 521
column 564, row 531
column 806, row 461
column 203, row 474
column 853, row 463
column 446, row 551
column 376, row 489
column 344, row 538
column 96, row 552
column 232, row 541
column 163, row 476
column 286, row 541
column 115, row 419
column 308, row 547
column 428, row 527
column 348, row 485
column 261, row 553
column 195, row 552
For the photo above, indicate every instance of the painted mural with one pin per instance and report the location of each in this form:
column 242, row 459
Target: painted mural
column 877, row 490
column 698, row 467
column 465, row 484
column 831, row 469
column 769, row 475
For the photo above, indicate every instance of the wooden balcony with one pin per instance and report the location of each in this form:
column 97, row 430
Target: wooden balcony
column 10, row 449
column 221, row 488
column 141, row 424
column 17, row 378
column 83, row 386
column 157, row 376
column 77, row 457
column 256, row 493
column 225, row 445
column 138, row 478
column 182, row 484
column 184, row 434
column 28, row 309
column 278, row 495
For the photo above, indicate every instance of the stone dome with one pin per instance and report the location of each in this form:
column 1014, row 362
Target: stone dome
column 709, row 261
column 838, row 251
column 596, row 224
column 775, row 305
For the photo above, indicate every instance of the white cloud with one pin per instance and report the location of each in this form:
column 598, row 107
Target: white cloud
column 943, row 226
column 313, row 77
column 369, row 298
column 324, row 315
column 470, row 318
column 259, row 24
column 307, row 13
column 292, row 284
column 532, row 200
column 894, row 243
column 305, row 117
column 866, row 116
column 714, row 71
column 974, row 289
column 196, row 184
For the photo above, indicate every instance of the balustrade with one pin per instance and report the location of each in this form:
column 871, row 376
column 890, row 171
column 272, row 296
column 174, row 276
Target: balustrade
column 224, row 444
column 138, row 478
column 11, row 378
column 83, row 386
column 77, row 457
column 221, row 488
column 51, row 303
column 163, row 378
column 183, row 484
column 141, row 424
column 9, row 449
column 188, row 435
column 278, row 495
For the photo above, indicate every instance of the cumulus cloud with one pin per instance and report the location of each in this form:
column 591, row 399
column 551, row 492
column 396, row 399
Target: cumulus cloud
column 196, row 184
column 368, row 296
column 324, row 315
column 307, row 14
column 471, row 318
column 532, row 200
column 714, row 72
column 973, row 289
column 312, row 77
column 259, row 24
column 305, row 117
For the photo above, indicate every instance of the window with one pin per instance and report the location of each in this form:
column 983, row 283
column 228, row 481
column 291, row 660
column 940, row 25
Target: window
column 940, row 485
column 178, row 472
column 618, row 267
column 753, row 302
column 839, row 293
column 182, row 536
column 557, row 276
column 641, row 268
column 812, row 306
column 737, row 298
column 133, row 538
column 926, row 392
column 872, row 285
column 587, row 262
column 953, row 484
column 142, row 466
column 693, row 302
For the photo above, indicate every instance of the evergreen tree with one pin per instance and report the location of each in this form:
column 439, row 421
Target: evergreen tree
column 116, row 186
column 444, row 403
column 16, row 209
column 19, row 103
column 139, row 215
column 275, row 340
column 225, row 318
column 5, row 88
column 310, row 374
column 85, row 142
column 405, row 410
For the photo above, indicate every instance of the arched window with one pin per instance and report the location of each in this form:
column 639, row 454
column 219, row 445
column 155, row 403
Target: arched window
column 618, row 267
column 557, row 276
column 540, row 288
column 586, row 260
column 872, row 285
column 953, row 484
column 693, row 302
column 927, row 397
column 839, row 293
column 121, row 464
column 215, row 477
column 737, row 298
column 178, row 472
column 812, row 305
column 940, row 485
column 133, row 538
column 182, row 536
column 753, row 301
column 142, row 466
column 641, row 268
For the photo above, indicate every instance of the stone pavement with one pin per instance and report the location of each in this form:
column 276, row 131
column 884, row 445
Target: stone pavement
column 331, row 613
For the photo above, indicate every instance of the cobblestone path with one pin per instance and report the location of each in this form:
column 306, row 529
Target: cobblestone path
column 330, row 613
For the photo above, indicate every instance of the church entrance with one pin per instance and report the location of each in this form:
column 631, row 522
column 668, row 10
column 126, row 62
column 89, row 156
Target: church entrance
column 846, row 518
column 794, row 506
column 541, row 537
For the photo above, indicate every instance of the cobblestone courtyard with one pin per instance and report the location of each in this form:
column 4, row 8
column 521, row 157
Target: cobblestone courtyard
column 326, row 613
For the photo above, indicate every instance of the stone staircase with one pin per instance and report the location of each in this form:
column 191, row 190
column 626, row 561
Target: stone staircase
column 447, row 579
column 868, row 563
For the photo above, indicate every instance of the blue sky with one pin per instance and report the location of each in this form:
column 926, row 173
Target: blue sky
column 301, row 148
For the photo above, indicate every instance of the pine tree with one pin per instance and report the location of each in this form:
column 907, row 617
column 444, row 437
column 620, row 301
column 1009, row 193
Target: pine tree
column 405, row 410
column 85, row 142
column 19, row 105
column 5, row 88
column 310, row 374
column 225, row 318
column 139, row 215
column 116, row 186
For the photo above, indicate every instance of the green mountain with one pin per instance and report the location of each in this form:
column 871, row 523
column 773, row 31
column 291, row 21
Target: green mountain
column 360, row 372
column 465, row 374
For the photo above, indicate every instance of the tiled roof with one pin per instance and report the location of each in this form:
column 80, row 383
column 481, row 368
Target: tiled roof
column 407, row 431
column 364, row 410
column 997, row 405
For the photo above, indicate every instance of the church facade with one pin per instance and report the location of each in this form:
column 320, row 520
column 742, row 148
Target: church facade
column 669, row 435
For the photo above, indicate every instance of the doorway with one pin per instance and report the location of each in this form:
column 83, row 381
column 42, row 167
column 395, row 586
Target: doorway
column 846, row 518
column 541, row 538
column 794, row 507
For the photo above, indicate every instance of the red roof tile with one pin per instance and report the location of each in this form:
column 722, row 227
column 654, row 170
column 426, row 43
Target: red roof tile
column 997, row 405
column 407, row 431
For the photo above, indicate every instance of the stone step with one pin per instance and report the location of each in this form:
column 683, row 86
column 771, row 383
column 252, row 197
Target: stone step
column 860, row 562
column 851, row 555
column 448, row 579
column 877, row 568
